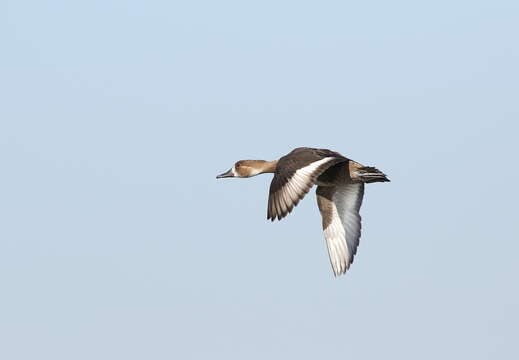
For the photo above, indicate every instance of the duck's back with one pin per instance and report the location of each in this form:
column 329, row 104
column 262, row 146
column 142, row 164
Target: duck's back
column 295, row 174
column 304, row 156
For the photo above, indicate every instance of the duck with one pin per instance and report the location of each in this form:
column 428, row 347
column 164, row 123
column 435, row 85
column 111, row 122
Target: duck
column 340, row 189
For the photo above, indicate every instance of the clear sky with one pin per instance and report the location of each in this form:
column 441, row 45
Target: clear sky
column 117, row 241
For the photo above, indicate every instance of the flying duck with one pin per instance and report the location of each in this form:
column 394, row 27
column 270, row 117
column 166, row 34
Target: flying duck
column 340, row 188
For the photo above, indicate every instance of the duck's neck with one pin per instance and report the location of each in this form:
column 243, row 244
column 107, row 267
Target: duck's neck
column 268, row 166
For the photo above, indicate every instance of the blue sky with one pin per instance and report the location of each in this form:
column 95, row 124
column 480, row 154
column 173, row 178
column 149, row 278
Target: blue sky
column 118, row 242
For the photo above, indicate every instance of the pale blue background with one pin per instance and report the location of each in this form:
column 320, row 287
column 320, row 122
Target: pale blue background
column 117, row 242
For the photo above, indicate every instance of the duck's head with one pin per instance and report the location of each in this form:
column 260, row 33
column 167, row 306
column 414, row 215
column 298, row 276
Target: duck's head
column 247, row 168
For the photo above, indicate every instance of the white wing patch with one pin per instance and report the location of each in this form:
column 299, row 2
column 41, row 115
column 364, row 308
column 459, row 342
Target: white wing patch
column 283, row 201
column 302, row 179
column 342, row 224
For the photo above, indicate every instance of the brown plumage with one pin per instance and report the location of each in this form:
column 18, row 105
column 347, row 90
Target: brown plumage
column 339, row 193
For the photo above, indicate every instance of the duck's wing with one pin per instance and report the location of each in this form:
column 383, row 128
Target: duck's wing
column 295, row 174
column 339, row 207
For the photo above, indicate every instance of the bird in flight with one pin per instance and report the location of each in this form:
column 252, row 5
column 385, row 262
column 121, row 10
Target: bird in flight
column 340, row 189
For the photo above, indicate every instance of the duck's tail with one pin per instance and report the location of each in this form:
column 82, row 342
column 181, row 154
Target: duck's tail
column 369, row 174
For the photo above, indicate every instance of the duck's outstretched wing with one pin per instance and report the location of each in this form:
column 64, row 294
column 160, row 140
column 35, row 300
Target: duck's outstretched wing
column 295, row 174
column 339, row 207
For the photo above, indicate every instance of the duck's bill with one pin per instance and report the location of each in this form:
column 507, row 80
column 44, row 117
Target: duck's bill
column 226, row 174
